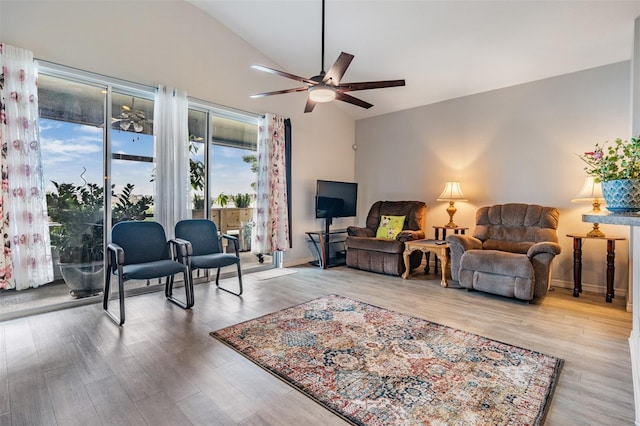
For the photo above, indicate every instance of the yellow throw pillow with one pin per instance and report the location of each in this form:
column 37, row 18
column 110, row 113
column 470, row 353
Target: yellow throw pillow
column 390, row 227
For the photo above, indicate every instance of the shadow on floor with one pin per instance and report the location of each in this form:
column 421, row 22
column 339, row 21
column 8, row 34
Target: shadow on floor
column 55, row 295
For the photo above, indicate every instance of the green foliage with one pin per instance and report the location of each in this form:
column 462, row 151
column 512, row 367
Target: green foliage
column 621, row 161
column 77, row 212
column 241, row 200
column 198, row 201
column 222, row 199
column 196, row 167
column 78, row 221
column 125, row 209
column 253, row 160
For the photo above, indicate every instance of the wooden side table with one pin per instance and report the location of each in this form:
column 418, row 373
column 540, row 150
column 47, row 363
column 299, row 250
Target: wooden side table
column 577, row 263
column 456, row 230
column 440, row 248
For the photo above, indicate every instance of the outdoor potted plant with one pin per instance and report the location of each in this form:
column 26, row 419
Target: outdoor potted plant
column 617, row 167
column 77, row 231
column 241, row 201
column 222, row 199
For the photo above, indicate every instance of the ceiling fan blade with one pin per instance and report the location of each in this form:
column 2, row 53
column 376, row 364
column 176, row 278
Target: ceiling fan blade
column 338, row 69
column 350, row 99
column 366, row 85
column 279, row 92
column 310, row 105
column 283, row 74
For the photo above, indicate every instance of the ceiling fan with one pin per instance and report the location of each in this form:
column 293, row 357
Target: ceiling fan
column 131, row 119
column 326, row 86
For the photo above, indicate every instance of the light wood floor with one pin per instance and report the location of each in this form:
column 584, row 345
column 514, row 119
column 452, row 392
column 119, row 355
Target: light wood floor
column 162, row 368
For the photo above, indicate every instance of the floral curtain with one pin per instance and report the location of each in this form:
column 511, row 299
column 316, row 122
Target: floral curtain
column 24, row 232
column 170, row 127
column 272, row 214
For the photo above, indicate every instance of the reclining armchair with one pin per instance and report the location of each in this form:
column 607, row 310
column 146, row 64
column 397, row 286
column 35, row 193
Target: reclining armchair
column 510, row 251
column 384, row 255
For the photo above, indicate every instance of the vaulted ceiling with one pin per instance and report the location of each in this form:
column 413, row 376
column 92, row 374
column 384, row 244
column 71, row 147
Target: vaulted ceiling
column 443, row 49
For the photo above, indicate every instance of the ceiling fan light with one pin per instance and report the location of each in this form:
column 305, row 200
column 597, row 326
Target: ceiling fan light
column 322, row 93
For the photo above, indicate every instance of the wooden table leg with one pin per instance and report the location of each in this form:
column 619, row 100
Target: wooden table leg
column 407, row 266
column 611, row 247
column 427, row 256
column 444, row 262
column 577, row 266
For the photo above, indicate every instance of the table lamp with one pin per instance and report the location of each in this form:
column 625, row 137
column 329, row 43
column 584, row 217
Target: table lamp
column 451, row 193
column 591, row 192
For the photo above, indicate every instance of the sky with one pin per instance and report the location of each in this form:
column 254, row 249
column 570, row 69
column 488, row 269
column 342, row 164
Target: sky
column 73, row 153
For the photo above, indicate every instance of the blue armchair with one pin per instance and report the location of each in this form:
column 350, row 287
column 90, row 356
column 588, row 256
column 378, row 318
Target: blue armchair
column 206, row 248
column 139, row 250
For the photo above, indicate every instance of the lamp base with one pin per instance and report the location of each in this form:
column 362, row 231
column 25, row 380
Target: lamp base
column 451, row 210
column 595, row 232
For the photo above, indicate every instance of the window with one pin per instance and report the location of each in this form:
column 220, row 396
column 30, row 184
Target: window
column 132, row 156
column 223, row 172
column 93, row 126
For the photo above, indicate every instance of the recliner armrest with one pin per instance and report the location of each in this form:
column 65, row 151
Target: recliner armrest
column 410, row 235
column 544, row 247
column 357, row 231
column 465, row 242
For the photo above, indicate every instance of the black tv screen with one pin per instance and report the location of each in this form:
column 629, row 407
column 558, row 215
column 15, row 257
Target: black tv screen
column 336, row 199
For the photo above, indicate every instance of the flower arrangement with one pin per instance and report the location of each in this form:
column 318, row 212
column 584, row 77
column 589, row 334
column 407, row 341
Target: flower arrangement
column 619, row 161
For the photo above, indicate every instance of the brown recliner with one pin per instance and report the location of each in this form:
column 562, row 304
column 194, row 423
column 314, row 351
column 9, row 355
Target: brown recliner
column 510, row 251
column 366, row 252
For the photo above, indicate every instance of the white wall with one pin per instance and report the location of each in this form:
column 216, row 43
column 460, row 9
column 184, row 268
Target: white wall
column 517, row 144
column 173, row 43
column 512, row 145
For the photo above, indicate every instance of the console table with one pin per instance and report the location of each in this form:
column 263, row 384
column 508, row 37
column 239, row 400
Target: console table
column 577, row 262
column 633, row 222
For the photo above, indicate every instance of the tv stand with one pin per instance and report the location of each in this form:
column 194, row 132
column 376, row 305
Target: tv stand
column 322, row 242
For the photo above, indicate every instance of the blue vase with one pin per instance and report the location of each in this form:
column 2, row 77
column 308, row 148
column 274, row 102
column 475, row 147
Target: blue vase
column 622, row 195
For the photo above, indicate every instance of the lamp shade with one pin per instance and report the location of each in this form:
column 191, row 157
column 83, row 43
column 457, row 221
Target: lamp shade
column 452, row 192
column 590, row 190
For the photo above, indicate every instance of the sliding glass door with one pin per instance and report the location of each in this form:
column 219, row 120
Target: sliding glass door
column 223, row 174
column 72, row 134
column 99, row 168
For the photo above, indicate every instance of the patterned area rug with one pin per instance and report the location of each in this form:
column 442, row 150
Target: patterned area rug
column 376, row 367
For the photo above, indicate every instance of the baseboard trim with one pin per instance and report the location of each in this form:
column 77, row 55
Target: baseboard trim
column 590, row 288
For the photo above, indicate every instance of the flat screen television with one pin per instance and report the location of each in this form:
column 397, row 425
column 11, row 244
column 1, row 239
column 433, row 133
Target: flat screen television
column 336, row 199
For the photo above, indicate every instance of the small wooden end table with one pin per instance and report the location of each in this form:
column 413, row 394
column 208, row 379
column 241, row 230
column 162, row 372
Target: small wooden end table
column 577, row 263
column 456, row 230
column 440, row 248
